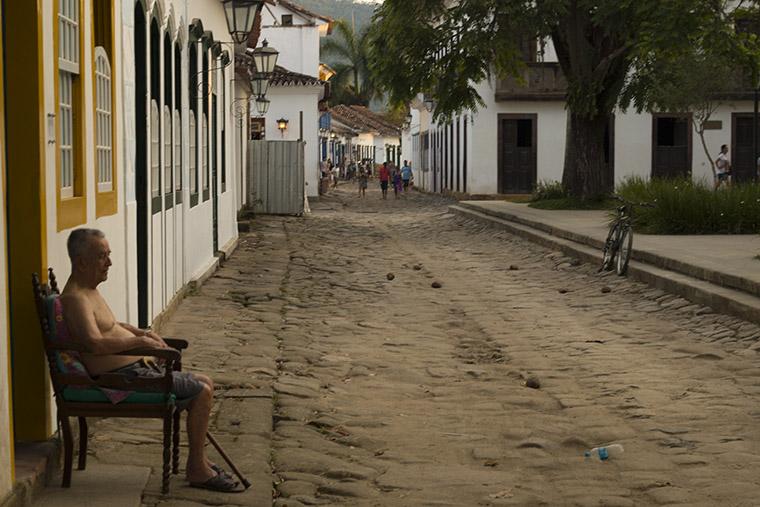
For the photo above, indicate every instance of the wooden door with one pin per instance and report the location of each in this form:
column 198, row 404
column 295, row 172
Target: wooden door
column 517, row 153
column 671, row 146
column 742, row 150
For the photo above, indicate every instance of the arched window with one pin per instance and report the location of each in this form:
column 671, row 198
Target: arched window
column 103, row 124
column 177, row 159
column 168, row 145
column 68, row 89
column 204, row 152
column 155, row 150
column 177, row 123
column 193, row 154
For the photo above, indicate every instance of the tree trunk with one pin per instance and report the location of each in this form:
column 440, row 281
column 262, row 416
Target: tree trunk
column 586, row 174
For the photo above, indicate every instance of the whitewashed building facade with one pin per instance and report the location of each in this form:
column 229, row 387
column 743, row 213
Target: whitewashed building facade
column 120, row 118
column 518, row 138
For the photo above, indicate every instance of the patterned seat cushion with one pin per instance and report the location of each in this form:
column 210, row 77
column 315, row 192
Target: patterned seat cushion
column 69, row 361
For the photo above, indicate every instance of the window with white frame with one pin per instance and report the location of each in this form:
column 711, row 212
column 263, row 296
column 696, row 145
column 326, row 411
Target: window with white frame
column 168, row 146
column 204, row 152
column 103, row 124
column 193, row 154
column 155, row 150
column 176, row 124
column 68, row 69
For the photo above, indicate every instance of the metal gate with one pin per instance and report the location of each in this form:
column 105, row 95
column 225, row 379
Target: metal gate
column 276, row 177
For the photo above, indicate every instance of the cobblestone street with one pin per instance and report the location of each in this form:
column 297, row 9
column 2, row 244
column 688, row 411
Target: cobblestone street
column 390, row 391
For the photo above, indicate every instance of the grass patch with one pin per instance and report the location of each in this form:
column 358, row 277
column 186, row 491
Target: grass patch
column 570, row 203
column 683, row 206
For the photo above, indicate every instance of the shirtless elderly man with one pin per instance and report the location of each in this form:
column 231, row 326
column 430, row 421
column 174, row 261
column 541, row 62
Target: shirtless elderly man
column 92, row 323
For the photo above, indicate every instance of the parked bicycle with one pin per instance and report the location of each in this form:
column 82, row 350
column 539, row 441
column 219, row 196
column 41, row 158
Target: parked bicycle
column 619, row 243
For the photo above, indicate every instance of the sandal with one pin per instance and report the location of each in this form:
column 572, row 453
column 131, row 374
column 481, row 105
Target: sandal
column 221, row 471
column 220, row 482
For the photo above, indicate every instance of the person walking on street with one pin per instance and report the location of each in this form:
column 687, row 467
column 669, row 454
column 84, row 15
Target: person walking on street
column 363, row 177
column 396, row 182
column 384, row 177
column 406, row 174
column 723, row 166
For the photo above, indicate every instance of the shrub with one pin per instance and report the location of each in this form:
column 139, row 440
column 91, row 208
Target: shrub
column 683, row 206
column 547, row 190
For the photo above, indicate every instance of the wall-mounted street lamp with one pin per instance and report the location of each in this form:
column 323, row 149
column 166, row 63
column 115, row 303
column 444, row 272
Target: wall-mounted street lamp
column 262, row 106
column 429, row 103
column 264, row 57
column 282, row 124
column 240, row 16
column 260, row 84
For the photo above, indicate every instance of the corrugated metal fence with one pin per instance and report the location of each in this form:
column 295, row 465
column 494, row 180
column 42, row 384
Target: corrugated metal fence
column 276, row 177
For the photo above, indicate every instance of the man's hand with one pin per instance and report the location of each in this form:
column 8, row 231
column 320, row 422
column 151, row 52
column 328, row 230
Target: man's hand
column 157, row 339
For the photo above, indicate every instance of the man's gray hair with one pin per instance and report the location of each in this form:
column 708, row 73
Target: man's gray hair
column 79, row 241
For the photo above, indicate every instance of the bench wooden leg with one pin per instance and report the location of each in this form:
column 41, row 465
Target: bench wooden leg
column 68, row 451
column 82, row 443
column 175, row 444
column 167, row 453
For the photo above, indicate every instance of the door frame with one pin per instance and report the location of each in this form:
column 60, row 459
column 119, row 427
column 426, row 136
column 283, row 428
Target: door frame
column 142, row 186
column 734, row 116
column 690, row 147
column 500, row 141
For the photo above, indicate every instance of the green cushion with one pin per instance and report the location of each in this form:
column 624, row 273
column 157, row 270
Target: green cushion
column 97, row 396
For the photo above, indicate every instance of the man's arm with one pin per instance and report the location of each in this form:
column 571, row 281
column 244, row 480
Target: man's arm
column 80, row 320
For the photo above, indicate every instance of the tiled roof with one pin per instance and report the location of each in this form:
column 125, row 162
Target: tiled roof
column 361, row 119
column 284, row 77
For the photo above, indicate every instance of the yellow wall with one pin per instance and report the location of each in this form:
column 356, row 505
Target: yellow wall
column 26, row 214
column 6, row 427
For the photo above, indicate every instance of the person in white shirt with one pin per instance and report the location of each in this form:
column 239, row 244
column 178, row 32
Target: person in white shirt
column 723, row 166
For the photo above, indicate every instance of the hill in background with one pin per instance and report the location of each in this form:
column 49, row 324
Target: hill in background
column 341, row 9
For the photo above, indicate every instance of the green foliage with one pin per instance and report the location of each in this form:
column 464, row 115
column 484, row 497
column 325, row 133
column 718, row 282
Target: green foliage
column 347, row 53
column 547, row 189
column 573, row 203
column 683, row 206
column 347, row 10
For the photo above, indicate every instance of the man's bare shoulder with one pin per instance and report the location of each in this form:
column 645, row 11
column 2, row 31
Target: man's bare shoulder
column 75, row 302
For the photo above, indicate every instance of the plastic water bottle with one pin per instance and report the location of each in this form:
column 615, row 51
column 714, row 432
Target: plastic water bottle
column 606, row 452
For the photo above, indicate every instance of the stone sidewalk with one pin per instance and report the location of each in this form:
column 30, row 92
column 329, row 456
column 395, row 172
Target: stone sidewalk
column 718, row 270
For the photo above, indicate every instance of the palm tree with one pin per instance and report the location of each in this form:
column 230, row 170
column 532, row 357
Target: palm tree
column 346, row 52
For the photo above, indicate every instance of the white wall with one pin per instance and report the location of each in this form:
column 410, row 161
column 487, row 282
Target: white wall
column 287, row 102
column 551, row 124
column 298, row 44
column 633, row 141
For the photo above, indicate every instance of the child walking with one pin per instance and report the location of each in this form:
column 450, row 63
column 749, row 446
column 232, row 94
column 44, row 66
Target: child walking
column 363, row 177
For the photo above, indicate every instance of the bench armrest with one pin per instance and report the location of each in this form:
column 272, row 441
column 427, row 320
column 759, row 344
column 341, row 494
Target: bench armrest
column 168, row 354
column 177, row 343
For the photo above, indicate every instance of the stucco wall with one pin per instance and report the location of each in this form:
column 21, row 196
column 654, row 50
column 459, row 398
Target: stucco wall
column 287, row 102
column 298, row 44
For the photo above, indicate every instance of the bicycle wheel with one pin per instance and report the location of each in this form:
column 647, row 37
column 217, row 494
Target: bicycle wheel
column 625, row 245
column 610, row 248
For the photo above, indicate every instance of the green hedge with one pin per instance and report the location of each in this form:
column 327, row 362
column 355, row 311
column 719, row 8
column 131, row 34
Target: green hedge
column 683, row 206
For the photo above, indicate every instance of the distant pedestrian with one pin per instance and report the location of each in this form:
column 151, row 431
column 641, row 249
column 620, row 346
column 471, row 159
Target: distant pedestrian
column 363, row 179
column 406, row 174
column 384, row 176
column 723, row 168
column 396, row 182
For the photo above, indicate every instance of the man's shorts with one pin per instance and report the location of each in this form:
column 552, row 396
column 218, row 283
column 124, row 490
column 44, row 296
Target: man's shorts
column 723, row 176
column 406, row 184
column 185, row 386
column 384, row 185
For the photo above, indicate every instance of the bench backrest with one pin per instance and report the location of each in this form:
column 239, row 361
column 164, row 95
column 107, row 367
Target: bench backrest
column 54, row 331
